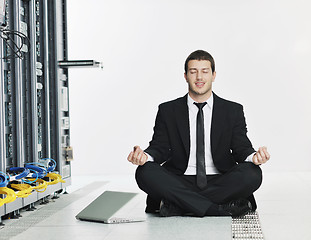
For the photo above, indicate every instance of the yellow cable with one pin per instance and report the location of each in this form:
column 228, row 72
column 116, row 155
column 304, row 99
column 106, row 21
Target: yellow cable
column 24, row 189
column 60, row 178
column 56, row 178
column 10, row 195
column 42, row 185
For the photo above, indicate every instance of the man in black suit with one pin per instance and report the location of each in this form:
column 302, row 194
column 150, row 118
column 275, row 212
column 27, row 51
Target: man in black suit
column 200, row 160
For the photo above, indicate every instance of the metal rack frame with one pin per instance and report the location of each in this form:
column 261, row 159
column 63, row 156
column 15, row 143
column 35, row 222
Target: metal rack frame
column 34, row 106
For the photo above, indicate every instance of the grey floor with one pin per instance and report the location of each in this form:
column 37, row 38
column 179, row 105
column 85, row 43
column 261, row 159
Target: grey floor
column 283, row 207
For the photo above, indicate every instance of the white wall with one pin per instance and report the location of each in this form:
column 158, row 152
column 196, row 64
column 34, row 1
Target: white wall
column 262, row 50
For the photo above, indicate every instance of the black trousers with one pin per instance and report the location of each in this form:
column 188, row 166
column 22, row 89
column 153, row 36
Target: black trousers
column 240, row 182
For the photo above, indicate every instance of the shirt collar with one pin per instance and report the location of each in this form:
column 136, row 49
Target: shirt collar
column 209, row 102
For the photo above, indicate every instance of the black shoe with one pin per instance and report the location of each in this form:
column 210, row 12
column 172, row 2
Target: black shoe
column 236, row 208
column 153, row 206
column 168, row 209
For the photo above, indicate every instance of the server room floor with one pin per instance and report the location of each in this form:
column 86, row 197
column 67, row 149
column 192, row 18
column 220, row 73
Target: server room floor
column 283, row 208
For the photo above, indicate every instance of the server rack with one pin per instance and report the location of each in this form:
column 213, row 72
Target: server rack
column 34, row 107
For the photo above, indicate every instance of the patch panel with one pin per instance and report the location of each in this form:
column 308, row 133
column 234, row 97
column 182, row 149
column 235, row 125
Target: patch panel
column 39, row 134
column 8, row 113
column 38, row 49
column 37, row 8
column 37, row 28
column 7, row 83
column 9, row 145
column 39, row 111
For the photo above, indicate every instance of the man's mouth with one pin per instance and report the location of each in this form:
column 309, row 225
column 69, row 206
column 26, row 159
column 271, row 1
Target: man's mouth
column 199, row 84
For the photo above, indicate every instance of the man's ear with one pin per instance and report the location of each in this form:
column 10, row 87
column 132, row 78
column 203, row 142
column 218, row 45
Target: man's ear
column 214, row 76
column 185, row 76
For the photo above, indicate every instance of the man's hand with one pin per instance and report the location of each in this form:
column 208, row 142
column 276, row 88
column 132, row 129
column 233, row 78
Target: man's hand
column 137, row 156
column 261, row 156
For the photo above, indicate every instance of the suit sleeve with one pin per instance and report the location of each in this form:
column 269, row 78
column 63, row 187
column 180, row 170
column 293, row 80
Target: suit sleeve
column 159, row 146
column 241, row 146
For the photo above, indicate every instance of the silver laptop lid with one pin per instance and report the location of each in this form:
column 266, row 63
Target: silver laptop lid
column 105, row 206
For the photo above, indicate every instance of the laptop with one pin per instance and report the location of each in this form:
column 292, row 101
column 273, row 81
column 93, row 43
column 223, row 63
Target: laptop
column 111, row 207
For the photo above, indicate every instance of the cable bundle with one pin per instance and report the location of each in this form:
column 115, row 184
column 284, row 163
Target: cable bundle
column 4, row 179
column 19, row 182
column 56, row 178
column 24, row 189
column 10, row 195
column 40, row 186
column 6, row 35
column 18, row 173
column 34, row 176
column 50, row 165
column 39, row 171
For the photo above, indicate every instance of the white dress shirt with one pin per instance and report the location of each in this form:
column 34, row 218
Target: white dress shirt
column 207, row 113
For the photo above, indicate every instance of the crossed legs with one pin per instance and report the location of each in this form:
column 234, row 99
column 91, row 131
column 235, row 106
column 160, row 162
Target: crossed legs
column 240, row 182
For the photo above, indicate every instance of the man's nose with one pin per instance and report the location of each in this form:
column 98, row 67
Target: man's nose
column 199, row 75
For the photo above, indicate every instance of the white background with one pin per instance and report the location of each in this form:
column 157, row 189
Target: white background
column 262, row 50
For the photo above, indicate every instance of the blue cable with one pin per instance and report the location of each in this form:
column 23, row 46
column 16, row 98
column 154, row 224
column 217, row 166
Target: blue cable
column 52, row 165
column 24, row 173
column 41, row 171
column 3, row 179
column 36, row 178
column 34, row 174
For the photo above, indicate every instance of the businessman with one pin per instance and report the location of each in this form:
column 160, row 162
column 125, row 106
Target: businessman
column 200, row 161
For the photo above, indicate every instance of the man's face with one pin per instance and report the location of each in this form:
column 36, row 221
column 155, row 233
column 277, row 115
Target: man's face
column 199, row 78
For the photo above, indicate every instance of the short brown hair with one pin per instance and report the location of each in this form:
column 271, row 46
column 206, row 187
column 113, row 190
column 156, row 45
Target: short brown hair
column 200, row 55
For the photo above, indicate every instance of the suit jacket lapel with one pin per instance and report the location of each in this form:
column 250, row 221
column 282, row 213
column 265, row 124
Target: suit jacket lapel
column 217, row 122
column 182, row 119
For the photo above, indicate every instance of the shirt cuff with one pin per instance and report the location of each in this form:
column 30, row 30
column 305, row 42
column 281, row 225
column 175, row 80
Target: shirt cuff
column 149, row 158
column 250, row 157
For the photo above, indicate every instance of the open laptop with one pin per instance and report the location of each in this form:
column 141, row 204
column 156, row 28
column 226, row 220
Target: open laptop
column 111, row 207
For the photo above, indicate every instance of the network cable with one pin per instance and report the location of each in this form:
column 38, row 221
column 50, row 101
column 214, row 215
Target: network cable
column 41, row 185
column 50, row 164
column 34, row 177
column 44, row 170
column 55, row 177
column 24, row 189
column 4, row 179
column 21, row 174
column 40, row 169
column 10, row 195
column 17, row 173
column 5, row 35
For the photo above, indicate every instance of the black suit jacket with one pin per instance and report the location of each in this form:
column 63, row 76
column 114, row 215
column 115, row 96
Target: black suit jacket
column 170, row 144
